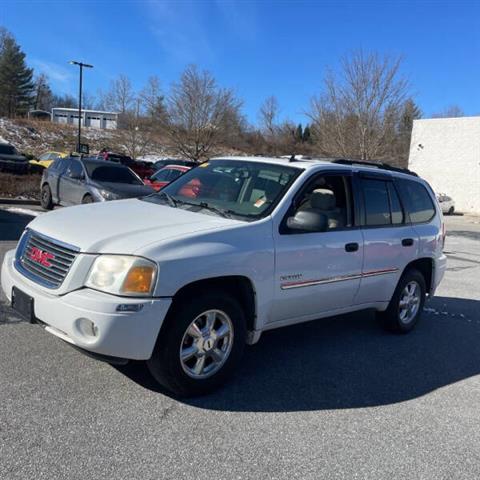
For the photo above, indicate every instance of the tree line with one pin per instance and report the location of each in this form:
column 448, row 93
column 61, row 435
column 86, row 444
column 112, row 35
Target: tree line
column 364, row 110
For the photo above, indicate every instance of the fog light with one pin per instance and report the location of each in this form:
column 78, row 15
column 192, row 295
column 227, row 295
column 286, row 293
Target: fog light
column 87, row 327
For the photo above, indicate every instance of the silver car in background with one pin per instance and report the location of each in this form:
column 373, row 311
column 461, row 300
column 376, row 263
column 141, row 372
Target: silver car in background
column 446, row 204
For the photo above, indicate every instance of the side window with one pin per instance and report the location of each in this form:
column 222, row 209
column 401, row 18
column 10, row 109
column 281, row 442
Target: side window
column 75, row 169
column 163, row 176
column 45, row 156
column 60, row 165
column 395, row 205
column 417, row 200
column 377, row 204
column 325, row 205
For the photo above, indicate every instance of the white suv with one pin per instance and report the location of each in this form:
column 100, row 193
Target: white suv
column 237, row 246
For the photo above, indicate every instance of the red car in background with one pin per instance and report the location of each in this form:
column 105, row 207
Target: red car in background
column 142, row 169
column 165, row 175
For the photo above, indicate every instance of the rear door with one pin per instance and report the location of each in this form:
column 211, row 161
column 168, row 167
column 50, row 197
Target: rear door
column 390, row 241
column 54, row 174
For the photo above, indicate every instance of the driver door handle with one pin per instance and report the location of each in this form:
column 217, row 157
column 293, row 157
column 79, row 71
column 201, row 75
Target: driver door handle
column 407, row 242
column 351, row 247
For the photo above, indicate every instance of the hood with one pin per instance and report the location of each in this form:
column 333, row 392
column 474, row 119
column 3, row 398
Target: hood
column 124, row 190
column 123, row 226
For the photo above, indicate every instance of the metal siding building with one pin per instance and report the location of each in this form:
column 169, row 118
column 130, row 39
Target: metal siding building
column 90, row 118
column 446, row 153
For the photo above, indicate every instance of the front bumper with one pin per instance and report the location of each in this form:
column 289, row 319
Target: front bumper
column 129, row 335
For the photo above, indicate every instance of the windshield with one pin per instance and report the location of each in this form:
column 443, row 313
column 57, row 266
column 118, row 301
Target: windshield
column 229, row 188
column 8, row 150
column 111, row 174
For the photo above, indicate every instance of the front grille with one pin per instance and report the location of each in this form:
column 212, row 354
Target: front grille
column 44, row 260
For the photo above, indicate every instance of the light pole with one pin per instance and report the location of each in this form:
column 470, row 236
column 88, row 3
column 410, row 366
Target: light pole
column 81, row 65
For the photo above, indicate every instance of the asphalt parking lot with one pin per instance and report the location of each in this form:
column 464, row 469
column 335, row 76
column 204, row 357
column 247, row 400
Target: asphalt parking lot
column 337, row 399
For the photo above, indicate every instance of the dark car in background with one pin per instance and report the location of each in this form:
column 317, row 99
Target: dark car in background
column 142, row 169
column 159, row 164
column 75, row 180
column 11, row 160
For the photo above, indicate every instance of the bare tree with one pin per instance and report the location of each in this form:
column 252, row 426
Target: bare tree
column 152, row 99
column 356, row 114
column 200, row 114
column 136, row 134
column 268, row 115
column 43, row 96
column 453, row 111
column 120, row 97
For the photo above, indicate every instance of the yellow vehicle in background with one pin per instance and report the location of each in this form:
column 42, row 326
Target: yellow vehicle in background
column 46, row 159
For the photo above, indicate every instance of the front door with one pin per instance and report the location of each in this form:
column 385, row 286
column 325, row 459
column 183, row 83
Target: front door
column 72, row 184
column 318, row 271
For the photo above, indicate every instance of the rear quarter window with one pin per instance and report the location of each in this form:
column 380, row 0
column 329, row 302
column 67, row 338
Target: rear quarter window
column 417, row 200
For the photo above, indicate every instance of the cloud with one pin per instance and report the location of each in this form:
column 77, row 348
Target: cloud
column 57, row 73
column 182, row 30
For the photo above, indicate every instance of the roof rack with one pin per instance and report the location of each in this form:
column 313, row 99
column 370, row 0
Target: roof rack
column 380, row 165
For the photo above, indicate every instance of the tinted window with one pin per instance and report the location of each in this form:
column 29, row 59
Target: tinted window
column 111, row 174
column 417, row 200
column 59, row 166
column 7, row 150
column 75, row 169
column 162, row 175
column 377, row 204
column 395, row 206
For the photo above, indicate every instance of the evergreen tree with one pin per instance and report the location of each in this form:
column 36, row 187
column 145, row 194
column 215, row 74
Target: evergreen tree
column 16, row 86
column 307, row 134
column 299, row 133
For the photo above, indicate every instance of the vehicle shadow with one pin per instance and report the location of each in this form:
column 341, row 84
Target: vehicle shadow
column 12, row 224
column 348, row 362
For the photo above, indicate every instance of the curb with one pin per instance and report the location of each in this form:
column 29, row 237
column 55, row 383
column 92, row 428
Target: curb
column 17, row 201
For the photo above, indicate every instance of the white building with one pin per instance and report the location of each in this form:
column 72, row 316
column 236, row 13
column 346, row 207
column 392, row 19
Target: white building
column 446, row 152
column 90, row 118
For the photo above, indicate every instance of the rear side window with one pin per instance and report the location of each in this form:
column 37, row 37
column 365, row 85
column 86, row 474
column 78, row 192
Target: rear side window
column 377, row 204
column 417, row 200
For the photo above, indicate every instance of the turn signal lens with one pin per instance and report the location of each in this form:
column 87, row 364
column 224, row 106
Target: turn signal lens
column 139, row 280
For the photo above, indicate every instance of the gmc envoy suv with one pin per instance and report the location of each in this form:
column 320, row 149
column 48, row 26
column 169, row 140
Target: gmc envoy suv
column 185, row 277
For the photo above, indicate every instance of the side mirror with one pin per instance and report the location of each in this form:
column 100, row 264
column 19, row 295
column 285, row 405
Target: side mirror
column 308, row 221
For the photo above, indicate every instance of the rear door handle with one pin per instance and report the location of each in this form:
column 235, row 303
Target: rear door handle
column 407, row 242
column 351, row 247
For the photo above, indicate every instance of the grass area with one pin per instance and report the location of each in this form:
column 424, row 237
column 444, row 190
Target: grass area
column 26, row 186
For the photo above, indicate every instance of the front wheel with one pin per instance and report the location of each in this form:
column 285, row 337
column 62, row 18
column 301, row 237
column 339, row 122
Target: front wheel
column 451, row 210
column 46, row 198
column 406, row 305
column 200, row 344
column 87, row 199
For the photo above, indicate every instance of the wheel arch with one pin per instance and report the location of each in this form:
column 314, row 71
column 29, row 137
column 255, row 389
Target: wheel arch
column 239, row 286
column 425, row 266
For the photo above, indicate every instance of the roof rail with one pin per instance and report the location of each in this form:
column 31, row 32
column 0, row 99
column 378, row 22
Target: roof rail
column 380, row 165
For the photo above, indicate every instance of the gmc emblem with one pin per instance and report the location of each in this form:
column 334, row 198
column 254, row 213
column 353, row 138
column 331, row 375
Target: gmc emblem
column 41, row 257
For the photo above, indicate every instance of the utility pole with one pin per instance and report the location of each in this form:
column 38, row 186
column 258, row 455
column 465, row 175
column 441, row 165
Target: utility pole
column 81, row 65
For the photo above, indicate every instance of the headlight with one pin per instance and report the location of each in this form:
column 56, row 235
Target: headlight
column 106, row 194
column 122, row 275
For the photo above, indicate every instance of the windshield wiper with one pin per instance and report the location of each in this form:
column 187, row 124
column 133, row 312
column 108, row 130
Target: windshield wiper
column 220, row 211
column 171, row 201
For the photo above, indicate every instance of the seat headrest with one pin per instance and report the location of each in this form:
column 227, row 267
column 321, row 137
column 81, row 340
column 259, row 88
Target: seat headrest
column 323, row 199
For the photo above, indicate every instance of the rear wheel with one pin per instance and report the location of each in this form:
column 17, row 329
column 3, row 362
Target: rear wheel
column 406, row 305
column 87, row 199
column 451, row 210
column 46, row 198
column 200, row 344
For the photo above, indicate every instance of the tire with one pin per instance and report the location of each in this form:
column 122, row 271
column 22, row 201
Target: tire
column 451, row 210
column 395, row 317
column 87, row 199
column 175, row 337
column 46, row 197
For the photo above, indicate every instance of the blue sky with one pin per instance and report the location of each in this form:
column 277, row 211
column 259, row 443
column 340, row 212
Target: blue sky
column 259, row 48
